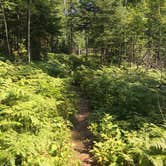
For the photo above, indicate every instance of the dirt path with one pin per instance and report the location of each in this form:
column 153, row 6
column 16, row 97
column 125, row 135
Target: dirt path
column 81, row 136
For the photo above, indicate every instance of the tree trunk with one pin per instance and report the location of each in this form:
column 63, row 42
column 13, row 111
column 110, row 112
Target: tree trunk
column 6, row 27
column 159, row 41
column 35, row 47
column 52, row 43
column 29, row 31
column 86, row 44
column 65, row 5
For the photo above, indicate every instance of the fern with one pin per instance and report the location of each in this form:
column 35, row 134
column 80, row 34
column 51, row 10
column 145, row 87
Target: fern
column 33, row 106
column 127, row 121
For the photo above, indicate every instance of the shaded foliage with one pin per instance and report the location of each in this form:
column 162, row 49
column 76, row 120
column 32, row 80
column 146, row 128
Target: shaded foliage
column 34, row 113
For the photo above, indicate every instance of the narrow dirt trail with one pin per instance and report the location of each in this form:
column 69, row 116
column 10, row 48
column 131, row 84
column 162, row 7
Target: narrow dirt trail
column 81, row 136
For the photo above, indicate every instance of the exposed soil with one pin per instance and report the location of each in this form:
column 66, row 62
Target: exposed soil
column 81, row 136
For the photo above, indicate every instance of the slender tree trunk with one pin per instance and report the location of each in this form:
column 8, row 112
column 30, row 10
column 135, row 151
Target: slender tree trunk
column 65, row 5
column 52, row 43
column 70, row 36
column 120, row 56
column 29, row 31
column 103, row 55
column 6, row 27
column 159, row 48
column 159, row 41
column 133, row 50
column 86, row 44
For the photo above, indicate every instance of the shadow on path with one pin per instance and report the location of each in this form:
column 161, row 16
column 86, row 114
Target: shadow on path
column 81, row 136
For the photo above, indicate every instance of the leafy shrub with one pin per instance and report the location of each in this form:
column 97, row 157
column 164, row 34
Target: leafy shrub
column 128, row 94
column 21, row 52
column 34, row 114
column 114, row 146
column 129, row 107
column 64, row 65
column 61, row 65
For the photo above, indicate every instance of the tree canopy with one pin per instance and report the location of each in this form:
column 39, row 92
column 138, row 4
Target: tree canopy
column 116, row 30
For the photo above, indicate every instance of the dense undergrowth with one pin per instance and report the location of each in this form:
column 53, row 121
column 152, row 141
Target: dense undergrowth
column 128, row 121
column 129, row 105
column 34, row 113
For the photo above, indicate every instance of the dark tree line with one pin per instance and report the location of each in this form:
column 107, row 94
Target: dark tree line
column 113, row 30
column 27, row 28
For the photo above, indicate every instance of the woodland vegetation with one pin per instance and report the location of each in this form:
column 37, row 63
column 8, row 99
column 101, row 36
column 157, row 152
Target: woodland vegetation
column 112, row 50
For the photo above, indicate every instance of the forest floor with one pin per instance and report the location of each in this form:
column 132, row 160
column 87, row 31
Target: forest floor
column 81, row 136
